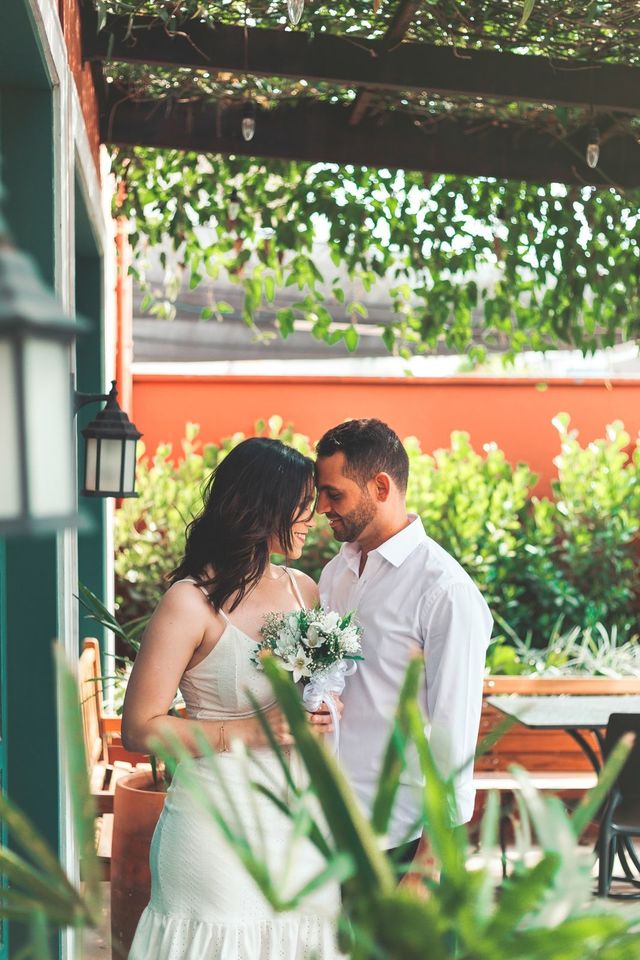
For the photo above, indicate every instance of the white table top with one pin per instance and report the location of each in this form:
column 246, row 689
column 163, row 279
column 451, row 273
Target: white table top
column 566, row 711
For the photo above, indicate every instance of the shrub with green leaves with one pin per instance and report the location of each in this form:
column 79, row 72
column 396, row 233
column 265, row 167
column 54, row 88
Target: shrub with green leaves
column 575, row 555
column 597, row 523
column 476, row 506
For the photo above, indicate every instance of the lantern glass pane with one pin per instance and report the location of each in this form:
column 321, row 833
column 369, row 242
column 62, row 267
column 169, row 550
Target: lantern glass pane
column 49, row 423
column 129, row 484
column 91, row 457
column 111, row 453
column 10, row 439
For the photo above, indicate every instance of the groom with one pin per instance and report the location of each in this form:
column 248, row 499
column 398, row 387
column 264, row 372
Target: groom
column 408, row 593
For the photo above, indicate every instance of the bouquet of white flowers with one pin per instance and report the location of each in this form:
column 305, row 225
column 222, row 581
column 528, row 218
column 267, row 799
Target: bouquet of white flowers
column 319, row 647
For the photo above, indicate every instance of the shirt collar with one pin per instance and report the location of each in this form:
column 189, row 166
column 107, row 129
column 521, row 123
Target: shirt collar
column 398, row 547
column 395, row 550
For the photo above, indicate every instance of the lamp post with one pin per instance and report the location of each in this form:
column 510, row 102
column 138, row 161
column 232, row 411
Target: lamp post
column 37, row 482
column 110, row 454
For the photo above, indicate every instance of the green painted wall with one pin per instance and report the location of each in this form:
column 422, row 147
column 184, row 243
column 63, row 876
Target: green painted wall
column 92, row 548
column 4, row 947
column 26, row 135
column 29, row 568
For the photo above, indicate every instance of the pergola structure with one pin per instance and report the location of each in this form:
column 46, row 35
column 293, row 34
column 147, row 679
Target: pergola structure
column 435, row 86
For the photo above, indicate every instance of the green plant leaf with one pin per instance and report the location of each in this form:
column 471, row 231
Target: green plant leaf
column 351, row 832
column 527, row 10
column 394, row 761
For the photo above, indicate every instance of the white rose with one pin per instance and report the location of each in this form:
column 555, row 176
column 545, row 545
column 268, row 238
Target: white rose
column 330, row 620
column 293, row 625
column 313, row 638
column 286, row 641
column 350, row 641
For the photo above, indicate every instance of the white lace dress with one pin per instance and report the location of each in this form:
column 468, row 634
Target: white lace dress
column 204, row 905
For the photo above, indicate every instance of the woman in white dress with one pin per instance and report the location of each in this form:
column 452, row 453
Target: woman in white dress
column 204, row 905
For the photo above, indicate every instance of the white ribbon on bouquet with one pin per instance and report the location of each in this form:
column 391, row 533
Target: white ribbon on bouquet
column 319, row 689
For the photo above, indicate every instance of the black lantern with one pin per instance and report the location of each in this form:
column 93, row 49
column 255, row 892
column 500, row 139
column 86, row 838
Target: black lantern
column 37, row 476
column 110, row 449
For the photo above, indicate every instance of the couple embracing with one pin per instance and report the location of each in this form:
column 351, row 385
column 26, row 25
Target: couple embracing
column 407, row 593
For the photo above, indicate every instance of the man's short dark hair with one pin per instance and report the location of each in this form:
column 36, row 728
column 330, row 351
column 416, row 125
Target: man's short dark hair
column 369, row 447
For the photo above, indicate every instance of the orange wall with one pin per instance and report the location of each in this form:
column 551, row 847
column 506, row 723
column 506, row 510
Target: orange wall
column 515, row 413
column 69, row 12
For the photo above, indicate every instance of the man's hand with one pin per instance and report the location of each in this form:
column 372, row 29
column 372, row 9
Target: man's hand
column 279, row 727
column 423, row 867
column 321, row 719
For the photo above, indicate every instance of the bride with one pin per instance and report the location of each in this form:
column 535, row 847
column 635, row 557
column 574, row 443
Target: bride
column 204, row 906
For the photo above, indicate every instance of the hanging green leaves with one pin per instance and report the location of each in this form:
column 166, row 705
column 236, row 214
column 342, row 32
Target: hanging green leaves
column 474, row 264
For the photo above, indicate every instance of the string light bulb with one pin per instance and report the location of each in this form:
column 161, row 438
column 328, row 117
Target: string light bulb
column 295, row 9
column 249, row 120
column 593, row 147
column 233, row 207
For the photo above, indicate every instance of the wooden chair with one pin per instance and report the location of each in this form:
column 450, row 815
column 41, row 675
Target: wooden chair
column 107, row 759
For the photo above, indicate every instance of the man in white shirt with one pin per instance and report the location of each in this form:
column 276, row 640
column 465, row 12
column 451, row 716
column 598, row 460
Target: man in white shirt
column 408, row 592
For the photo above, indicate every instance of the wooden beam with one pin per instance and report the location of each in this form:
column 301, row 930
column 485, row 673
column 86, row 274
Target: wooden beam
column 322, row 132
column 344, row 61
column 400, row 23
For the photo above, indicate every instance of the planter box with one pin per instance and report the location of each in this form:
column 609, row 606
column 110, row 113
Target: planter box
column 542, row 750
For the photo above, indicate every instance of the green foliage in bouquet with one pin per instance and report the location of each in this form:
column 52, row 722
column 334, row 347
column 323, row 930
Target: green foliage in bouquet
column 575, row 555
column 541, row 912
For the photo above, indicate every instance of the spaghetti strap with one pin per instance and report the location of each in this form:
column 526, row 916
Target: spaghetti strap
column 195, row 583
column 204, row 590
column 296, row 588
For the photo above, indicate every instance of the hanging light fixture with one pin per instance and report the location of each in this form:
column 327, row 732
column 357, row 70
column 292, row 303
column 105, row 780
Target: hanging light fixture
column 110, row 453
column 37, row 478
column 295, row 9
column 593, row 147
column 248, row 120
column 233, row 207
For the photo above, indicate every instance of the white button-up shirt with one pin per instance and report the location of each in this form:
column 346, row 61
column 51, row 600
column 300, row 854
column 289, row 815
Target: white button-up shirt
column 411, row 594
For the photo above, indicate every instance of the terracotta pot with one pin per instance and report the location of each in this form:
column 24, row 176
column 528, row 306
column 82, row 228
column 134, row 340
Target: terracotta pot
column 136, row 808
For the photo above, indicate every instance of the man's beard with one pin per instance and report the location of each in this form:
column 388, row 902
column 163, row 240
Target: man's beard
column 352, row 524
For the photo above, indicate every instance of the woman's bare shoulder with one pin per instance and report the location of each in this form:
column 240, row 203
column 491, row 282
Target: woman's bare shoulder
column 307, row 585
column 185, row 598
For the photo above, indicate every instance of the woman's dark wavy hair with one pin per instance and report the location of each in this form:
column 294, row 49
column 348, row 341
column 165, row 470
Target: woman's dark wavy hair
column 257, row 492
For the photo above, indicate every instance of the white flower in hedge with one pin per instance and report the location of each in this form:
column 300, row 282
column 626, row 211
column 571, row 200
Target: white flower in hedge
column 298, row 663
column 313, row 638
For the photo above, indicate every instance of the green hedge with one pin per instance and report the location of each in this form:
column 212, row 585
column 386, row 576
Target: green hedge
column 574, row 555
